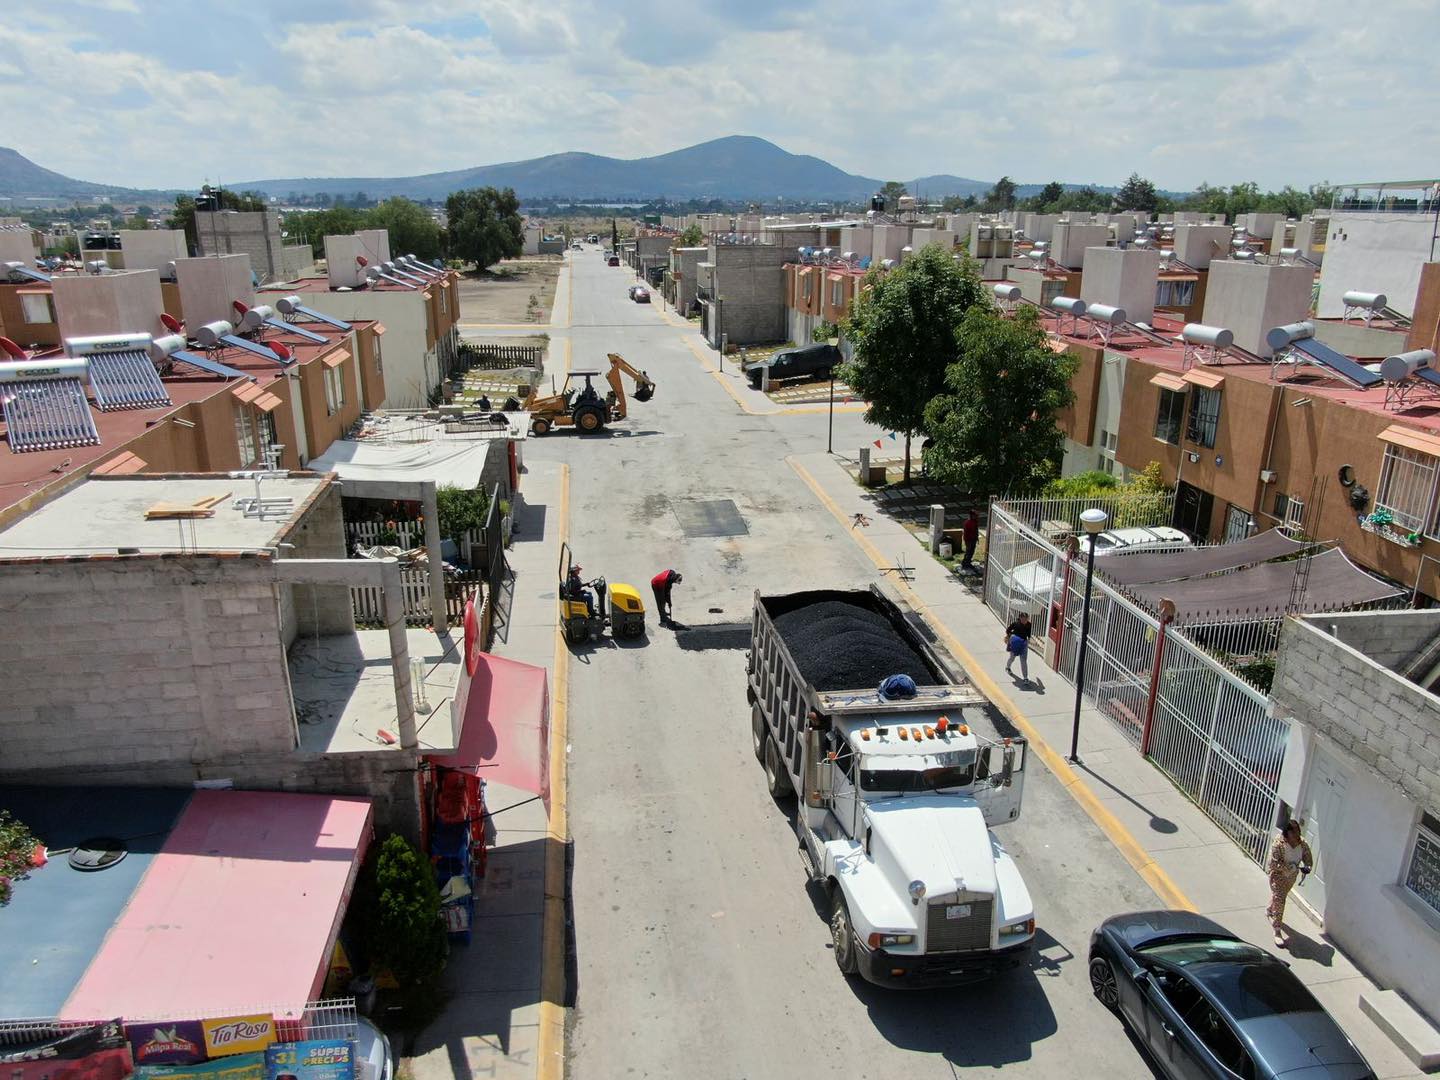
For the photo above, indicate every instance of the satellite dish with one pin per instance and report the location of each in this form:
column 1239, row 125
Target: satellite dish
column 15, row 352
column 171, row 323
column 279, row 349
column 360, row 260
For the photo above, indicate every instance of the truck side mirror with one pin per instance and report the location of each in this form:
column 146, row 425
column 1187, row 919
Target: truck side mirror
column 1007, row 773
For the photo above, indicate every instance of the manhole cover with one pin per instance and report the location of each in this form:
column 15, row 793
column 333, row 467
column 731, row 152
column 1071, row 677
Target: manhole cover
column 709, row 517
column 98, row 853
column 714, row 636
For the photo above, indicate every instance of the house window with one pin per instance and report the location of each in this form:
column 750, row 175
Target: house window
column 1422, row 875
column 1107, row 464
column 444, row 301
column 37, row 307
column 1049, row 290
column 1293, row 516
column 265, row 431
column 334, row 389
column 379, row 367
column 245, row 435
column 1204, row 416
column 1407, row 487
column 1174, row 294
column 1167, row 418
column 809, row 281
column 837, row 293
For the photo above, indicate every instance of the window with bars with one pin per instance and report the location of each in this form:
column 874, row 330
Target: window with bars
column 1407, row 488
column 379, row 364
column 1172, row 294
column 1204, row 416
column 1167, row 417
column 334, row 389
column 837, row 293
column 245, row 436
column 1422, row 874
column 37, row 308
column 808, row 282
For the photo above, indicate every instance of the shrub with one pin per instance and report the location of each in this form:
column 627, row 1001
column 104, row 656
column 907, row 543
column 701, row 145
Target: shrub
column 397, row 913
column 462, row 510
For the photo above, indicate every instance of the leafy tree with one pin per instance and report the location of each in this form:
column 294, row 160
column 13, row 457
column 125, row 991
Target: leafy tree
column 398, row 912
column 1047, row 197
column 1002, row 195
column 691, row 237
column 461, row 510
column 614, row 235
column 1084, row 200
column 891, row 191
column 138, row 221
column 183, row 216
column 902, row 328
column 995, row 430
column 312, row 226
column 485, row 225
column 412, row 230
column 1137, row 193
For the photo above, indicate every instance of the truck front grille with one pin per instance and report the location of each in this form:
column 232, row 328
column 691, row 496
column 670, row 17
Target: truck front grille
column 967, row 933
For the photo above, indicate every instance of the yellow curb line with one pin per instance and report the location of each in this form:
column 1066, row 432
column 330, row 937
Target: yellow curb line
column 567, row 356
column 1130, row 849
column 551, row 1050
column 570, row 293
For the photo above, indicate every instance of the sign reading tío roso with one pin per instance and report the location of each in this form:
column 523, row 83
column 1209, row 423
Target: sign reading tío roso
column 238, row 1034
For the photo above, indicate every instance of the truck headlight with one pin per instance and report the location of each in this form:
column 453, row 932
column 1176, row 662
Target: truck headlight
column 1027, row 926
column 880, row 941
column 917, row 891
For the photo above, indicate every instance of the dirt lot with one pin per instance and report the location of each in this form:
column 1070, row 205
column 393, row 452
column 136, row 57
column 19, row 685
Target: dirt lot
column 511, row 292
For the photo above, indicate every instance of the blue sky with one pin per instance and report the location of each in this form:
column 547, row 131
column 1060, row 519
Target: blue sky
column 159, row 93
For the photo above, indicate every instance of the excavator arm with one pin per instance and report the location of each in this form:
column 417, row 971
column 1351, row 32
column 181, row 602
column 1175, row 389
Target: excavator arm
column 644, row 385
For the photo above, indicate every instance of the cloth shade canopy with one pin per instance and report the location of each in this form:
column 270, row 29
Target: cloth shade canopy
column 1264, row 591
column 449, row 464
column 1127, row 570
column 503, row 715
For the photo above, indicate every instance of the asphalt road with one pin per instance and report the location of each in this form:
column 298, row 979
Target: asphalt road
column 700, row 952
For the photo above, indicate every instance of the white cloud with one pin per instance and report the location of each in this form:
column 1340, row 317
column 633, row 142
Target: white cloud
column 1217, row 90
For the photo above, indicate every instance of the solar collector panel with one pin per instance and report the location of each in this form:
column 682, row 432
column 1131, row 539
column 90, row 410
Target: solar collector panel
column 126, row 379
column 204, row 363
column 293, row 328
column 263, row 351
column 47, row 414
column 1342, row 365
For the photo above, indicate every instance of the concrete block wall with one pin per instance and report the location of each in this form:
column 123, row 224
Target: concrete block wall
column 253, row 233
column 1390, row 638
column 1123, row 278
column 1378, row 253
column 132, row 660
column 1071, row 242
column 750, row 282
column 1380, row 720
column 317, row 609
column 1251, row 299
column 1197, row 245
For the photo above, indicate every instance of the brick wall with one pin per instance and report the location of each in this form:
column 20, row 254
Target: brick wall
column 750, row 281
column 1372, row 714
column 317, row 609
column 143, row 659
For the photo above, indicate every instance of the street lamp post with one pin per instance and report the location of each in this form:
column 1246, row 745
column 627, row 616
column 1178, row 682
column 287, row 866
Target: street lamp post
column 830, row 434
column 1093, row 521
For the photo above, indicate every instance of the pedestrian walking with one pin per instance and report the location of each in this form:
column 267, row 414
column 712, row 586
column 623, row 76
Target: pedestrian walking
column 660, row 585
column 1017, row 644
column 970, row 533
column 1290, row 860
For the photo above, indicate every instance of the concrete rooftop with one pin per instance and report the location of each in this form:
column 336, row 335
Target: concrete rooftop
column 102, row 515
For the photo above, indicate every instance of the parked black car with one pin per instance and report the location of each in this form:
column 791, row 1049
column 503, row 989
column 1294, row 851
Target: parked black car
column 1207, row 1004
column 812, row 361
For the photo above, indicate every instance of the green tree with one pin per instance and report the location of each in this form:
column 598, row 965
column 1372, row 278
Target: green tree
column 138, row 221
column 891, row 191
column 183, row 216
column 902, row 329
column 461, row 510
column 1137, row 193
column 399, row 916
column 995, row 430
column 485, row 225
column 1047, row 197
column 312, row 226
column 1002, row 195
column 1083, row 200
column 413, row 231
column 614, row 236
column 691, row 237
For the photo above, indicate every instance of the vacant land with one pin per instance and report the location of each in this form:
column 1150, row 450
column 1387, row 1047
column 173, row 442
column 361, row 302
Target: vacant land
column 511, row 292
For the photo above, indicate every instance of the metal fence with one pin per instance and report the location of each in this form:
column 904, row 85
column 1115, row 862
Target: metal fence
column 1204, row 726
column 333, row 1018
column 500, row 357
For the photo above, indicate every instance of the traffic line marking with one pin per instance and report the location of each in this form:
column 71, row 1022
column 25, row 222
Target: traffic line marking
column 1130, row 849
column 551, row 1048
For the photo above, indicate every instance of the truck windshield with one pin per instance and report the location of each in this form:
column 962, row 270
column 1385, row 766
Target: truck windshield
column 908, row 780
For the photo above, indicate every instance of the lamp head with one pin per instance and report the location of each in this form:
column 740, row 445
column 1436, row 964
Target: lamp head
column 1093, row 521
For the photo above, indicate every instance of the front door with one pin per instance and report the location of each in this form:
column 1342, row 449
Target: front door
column 1193, row 508
column 1238, row 524
column 1321, row 812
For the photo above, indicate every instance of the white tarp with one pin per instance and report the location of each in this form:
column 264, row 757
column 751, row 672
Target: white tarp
column 449, row 464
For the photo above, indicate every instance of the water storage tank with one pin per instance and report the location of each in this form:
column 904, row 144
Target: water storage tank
column 163, row 347
column 1006, row 294
column 255, row 318
column 21, row 370
column 1375, row 301
column 1217, row 337
column 1106, row 314
column 1280, row 337
column 1396, row 368
column 84, row 346
column 210, row 334
column 1068, row 304
column 288, row 305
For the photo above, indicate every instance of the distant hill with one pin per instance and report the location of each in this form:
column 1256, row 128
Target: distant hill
column 21, row 178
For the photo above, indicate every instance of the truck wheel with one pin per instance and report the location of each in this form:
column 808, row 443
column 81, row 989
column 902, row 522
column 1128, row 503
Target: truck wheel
column 759, row 734
column 776, row 778
column 540, row 427
column 842, row 934
column 589, row 420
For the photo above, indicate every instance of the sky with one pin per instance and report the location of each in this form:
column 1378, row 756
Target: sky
column 173, row 93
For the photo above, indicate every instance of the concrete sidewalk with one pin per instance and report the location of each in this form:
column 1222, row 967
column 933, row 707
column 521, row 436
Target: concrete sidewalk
column 1180, row 852
column 491, row 1024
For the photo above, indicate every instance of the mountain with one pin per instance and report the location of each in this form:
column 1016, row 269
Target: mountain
column 22, row 178
column 937, row 187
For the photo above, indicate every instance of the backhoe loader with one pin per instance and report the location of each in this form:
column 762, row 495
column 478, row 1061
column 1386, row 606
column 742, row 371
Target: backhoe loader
column 581, row 406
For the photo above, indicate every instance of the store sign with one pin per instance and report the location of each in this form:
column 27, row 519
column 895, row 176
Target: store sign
column 181, row 1042
column 96, row 1052
column 238, row 1034
column 234, row 1067
column 321, row 1059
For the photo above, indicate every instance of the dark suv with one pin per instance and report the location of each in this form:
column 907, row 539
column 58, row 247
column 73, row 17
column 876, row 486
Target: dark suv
column 811, row 361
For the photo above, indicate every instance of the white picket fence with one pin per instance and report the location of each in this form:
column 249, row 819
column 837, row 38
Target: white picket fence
column 369, row 601
column 402, row 534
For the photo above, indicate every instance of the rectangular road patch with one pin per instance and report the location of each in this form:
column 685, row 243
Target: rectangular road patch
column 709, row 517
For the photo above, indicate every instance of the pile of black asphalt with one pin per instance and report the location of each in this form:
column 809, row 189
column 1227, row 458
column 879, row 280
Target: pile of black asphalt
column 840, row 646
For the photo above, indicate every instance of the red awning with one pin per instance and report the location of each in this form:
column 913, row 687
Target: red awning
column 504, row 721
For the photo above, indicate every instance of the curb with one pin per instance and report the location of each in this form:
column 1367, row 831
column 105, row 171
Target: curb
column 1124, row 842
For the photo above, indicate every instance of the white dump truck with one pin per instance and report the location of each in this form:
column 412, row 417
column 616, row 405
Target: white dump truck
column 897, row 792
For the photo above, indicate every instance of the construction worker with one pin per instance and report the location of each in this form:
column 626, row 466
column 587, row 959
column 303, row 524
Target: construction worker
column 575, row 589
column 661, row 585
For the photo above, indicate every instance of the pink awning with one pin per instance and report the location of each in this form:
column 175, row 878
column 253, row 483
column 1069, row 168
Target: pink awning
column 504, row 710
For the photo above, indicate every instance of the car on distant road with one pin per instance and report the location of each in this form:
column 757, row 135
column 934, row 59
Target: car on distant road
column 575, row 245
column 809, row 361
column 613, row 260
column 1028, row 586
column 639, row 294
column 1203, row 1003
column 592, row 239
